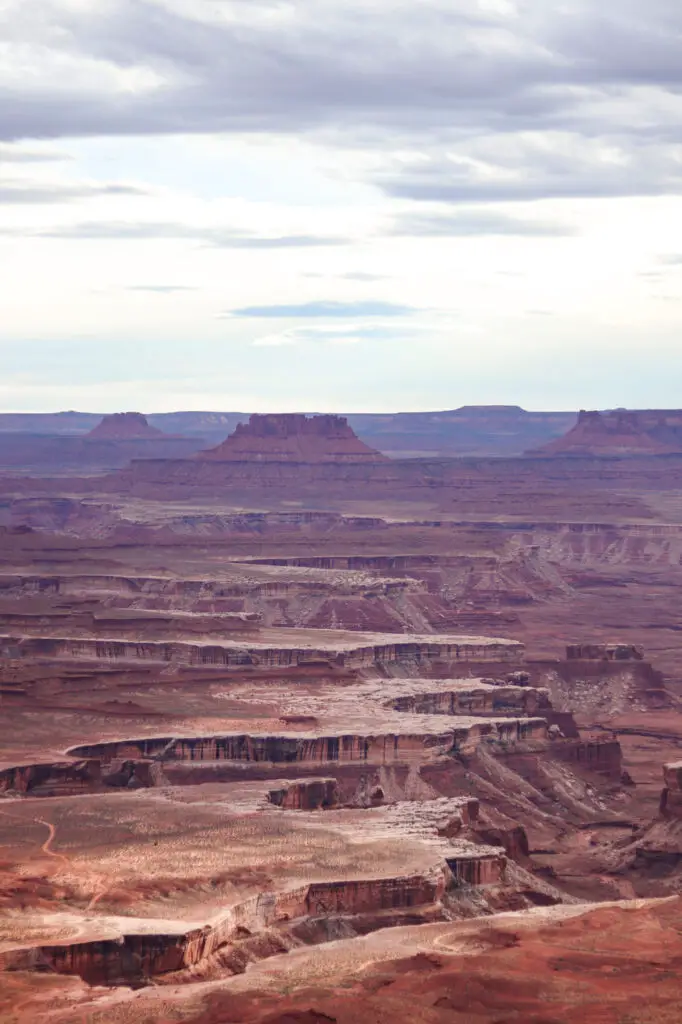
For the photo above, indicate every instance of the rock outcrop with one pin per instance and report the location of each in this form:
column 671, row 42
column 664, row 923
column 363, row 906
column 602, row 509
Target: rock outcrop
column 293, row 438
column 621, row 432
column 52, row 779
column 604, row 652
column 124, row 426
column 598, row 754
column 474, row 870
column 307, row 795
column 671, row 797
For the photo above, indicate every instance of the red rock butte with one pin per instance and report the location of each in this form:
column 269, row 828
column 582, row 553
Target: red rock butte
column 124, row 426
column 294, row 437
column 620, row 432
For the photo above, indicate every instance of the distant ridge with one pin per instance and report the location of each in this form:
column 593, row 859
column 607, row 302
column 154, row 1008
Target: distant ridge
column 473, row 430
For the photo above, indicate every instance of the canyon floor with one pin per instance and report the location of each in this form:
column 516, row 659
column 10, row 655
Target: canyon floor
column 275, row 758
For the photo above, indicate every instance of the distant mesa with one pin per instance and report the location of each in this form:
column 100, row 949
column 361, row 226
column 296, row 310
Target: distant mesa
column 293, row 437
column 125, row 426
column 620, row 432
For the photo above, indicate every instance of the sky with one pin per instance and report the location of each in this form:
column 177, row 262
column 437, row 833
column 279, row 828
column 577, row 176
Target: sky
column 340, row 205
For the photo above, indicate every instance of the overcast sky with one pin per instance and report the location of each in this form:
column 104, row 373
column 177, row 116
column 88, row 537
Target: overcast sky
column 340, row 204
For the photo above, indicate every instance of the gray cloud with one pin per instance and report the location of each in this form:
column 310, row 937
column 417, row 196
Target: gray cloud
column 223, row 238
column 469, row 223
column 607, row 75
column 20, row 193
column 533, row 166
column 324, row 309
column 313, row 65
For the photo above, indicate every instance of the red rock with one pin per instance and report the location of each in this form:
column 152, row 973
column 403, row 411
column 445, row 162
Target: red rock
column 620, row 433
column 121, row 426
column 604, row 652
column 293, row 438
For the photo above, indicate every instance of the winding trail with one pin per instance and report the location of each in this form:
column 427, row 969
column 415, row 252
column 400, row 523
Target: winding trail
column 52, row 834
column 46, row 848
column 97, row 897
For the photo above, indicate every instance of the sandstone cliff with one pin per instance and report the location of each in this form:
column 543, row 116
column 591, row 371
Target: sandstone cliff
column 621, row 432
column 123, row 426
column 293, row 438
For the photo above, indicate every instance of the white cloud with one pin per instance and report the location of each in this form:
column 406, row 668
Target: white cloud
column 276, row 340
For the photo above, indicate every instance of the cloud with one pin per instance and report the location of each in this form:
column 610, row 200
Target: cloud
column 137, row 66
column 673, row 259
column 39, row 192
column 324, row 309
column 528, row 166
column 276, row 340
column 513, row 101
column 352, row 275
column 223, row 238
column 327, row 334
column 359, row 275
column 11, row 154
column 161, row 289
column 471, row 223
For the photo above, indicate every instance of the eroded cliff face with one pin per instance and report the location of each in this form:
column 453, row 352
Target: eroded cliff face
column 478, row 701
column 604, row 652
column 293, row 438
column 488, row 869
column 52, row 779
column 307, row 795
column 136, row 959
column 621, row 432
column 307, row 749
column 263, row 650
column 652, row 857
column 599, row 754
column 602, row 684
column 120, row 426
column 671, row 797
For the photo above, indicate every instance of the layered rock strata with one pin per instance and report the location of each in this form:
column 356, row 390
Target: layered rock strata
column 293, row 438
column 273, row 649
column 671, row 797
column 604, row 652
column 308, row 795
column 621, row 432
column 307, row 748
column 121, row 426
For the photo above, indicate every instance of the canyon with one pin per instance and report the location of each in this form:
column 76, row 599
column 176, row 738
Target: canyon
column 297, row 732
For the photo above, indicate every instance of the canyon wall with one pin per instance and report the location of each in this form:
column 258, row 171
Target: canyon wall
column 306, row 795
column 600, row 755
column 136, row 959
column 671, row 797
column 347, row 651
